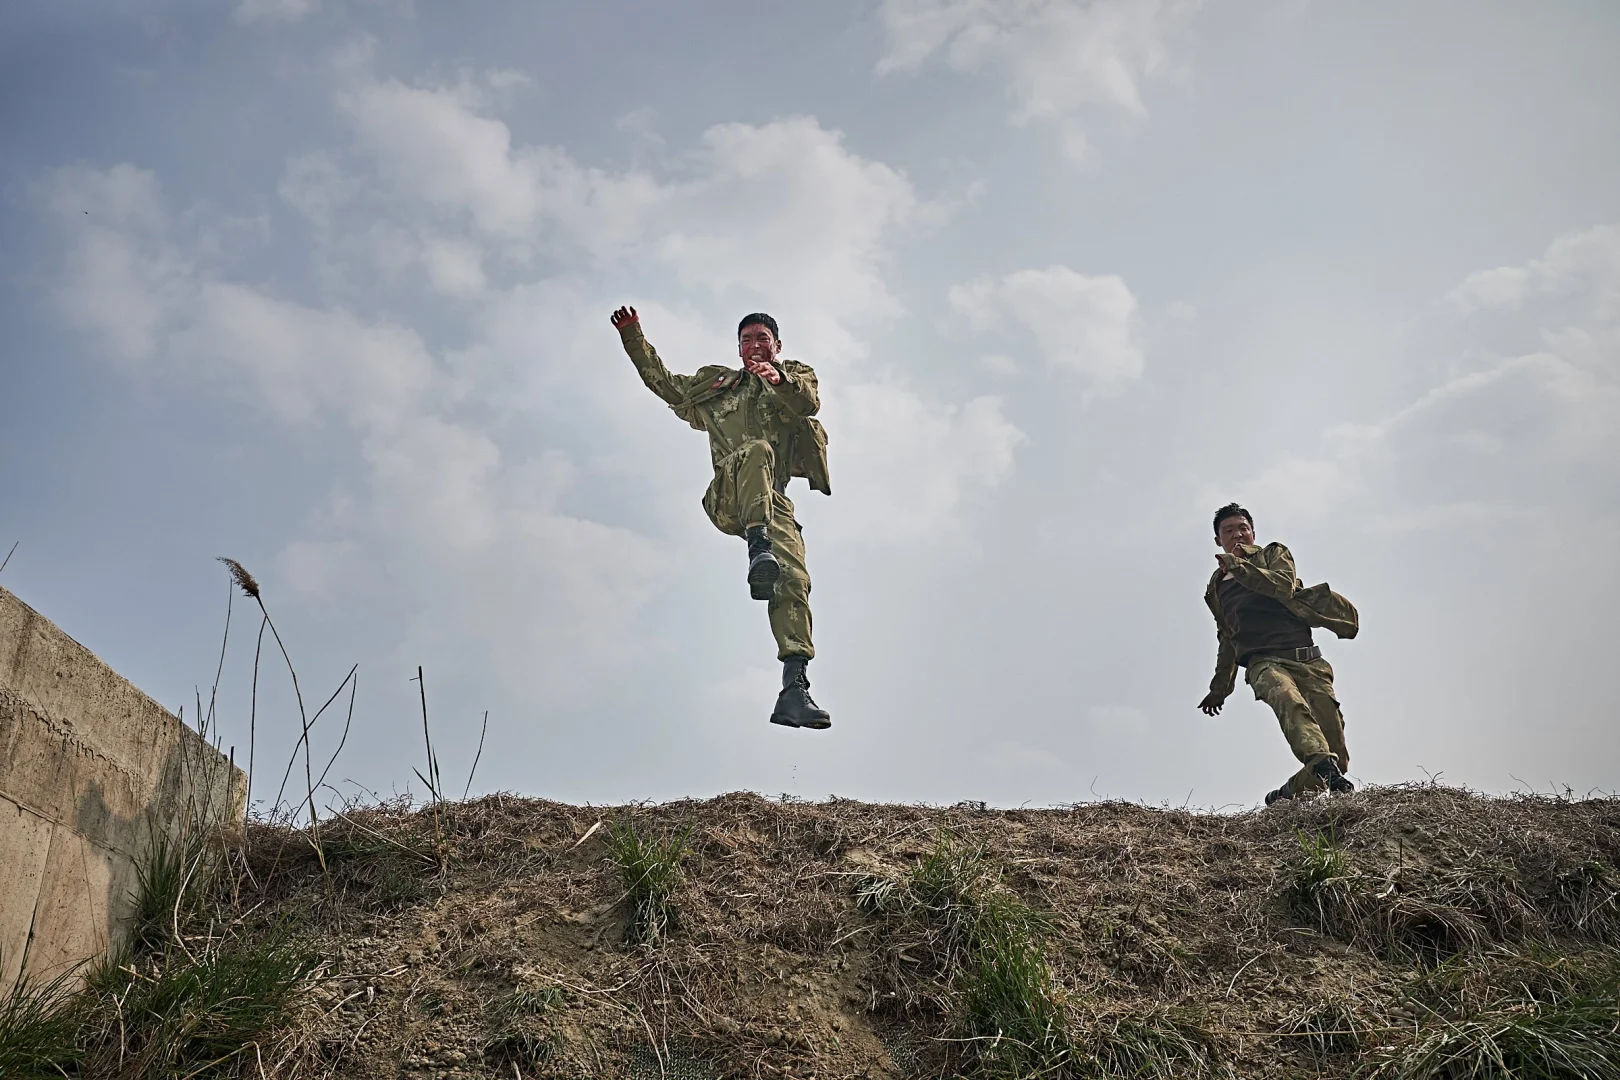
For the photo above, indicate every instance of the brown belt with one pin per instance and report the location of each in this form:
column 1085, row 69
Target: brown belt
column 1311, row 652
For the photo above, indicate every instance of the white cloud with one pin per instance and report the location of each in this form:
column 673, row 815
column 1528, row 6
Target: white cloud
column 289, row 11
column 321, row 569
column 1080, row 323
column 1484, row 444
column 1056, row 58
column 902, row 464
column 126, row 275
column 301, row 361
column 1586, row 263
column 1021, row 759
column 494, row 558
column 480, row 541
column 455, row 267
column 316, row 186
column 433, row 146
column 436, row 146
column 1508, row 434
column 786, row 209
column 1502, row 287
column 782, row 211
column 642, row 124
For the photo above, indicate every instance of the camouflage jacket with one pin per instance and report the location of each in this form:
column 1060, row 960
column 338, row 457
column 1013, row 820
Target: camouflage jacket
column 734, row 407
column 1269, row 571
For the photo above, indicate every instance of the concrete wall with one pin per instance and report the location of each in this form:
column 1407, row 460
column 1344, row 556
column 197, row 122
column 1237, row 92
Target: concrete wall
column 91, row 770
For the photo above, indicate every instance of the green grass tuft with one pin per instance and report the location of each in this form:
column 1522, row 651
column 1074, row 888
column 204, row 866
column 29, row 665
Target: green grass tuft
column 1319, row 889
column 39, row 1029
column 1527, row 1016
column 172, row 878
column 184, row 998
column 1009, row 1003
column 175, row 1016
column 193, row 1015
column 650, row 871
column 1574, row 1039
column 991, row 949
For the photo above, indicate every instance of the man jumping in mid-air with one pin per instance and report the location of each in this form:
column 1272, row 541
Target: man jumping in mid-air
column 1263, row 620
column 762, row 432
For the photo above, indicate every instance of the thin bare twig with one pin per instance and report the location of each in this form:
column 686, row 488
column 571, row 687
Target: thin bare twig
column 303, row 741
column 433, row 771
column 253, row 723
column 476, row 756
column 219, row 669
column 9, row 554
column 354, row 686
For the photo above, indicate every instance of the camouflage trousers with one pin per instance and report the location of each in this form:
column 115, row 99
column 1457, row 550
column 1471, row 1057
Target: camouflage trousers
column 744, row 494
column 1301, row 694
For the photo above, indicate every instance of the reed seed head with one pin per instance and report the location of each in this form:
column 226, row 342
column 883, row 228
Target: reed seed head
column 240, row 575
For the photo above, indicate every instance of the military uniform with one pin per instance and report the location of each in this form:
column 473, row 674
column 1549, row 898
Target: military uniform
column 1263, row 621
column 760, row 436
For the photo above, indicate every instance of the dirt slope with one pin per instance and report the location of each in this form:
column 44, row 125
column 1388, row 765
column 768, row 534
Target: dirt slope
column 1325, row 938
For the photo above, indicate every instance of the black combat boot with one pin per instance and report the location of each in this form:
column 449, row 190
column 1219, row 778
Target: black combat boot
column 1284, row 792
column 1327, row 770
column 763, row 569
column 794, row 706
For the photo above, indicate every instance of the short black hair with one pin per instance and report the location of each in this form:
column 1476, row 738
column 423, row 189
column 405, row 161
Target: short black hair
column 1231, row 510
column 759, row 318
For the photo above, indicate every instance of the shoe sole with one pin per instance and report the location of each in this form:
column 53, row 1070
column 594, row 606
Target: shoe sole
column 762, row 578
column 814, row 725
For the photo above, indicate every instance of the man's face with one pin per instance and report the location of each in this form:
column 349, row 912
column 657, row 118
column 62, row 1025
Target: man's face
column 1234, row 530
column 757, row 345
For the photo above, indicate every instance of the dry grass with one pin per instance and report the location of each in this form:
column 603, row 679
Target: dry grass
column 1415, row 932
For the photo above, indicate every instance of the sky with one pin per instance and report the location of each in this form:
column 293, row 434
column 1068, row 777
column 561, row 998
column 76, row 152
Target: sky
column 323, row 286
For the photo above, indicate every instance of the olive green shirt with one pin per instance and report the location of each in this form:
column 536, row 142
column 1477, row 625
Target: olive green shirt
column 1269, row 572
column 736, row 408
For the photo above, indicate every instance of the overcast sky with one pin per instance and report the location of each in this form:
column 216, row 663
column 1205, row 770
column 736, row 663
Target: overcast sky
column 323, row 285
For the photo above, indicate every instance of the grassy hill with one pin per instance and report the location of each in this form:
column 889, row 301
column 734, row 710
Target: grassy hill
column 1401, row 932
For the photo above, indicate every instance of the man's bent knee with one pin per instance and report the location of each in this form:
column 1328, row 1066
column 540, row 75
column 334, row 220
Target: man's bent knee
column 757, row 449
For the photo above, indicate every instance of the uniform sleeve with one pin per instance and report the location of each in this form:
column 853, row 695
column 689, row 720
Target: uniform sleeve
column 1225, row 679
column 1269, row 572
column 796, row 393
column 672, row 388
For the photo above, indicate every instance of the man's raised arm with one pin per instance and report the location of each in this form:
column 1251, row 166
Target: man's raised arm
column 672, row 388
